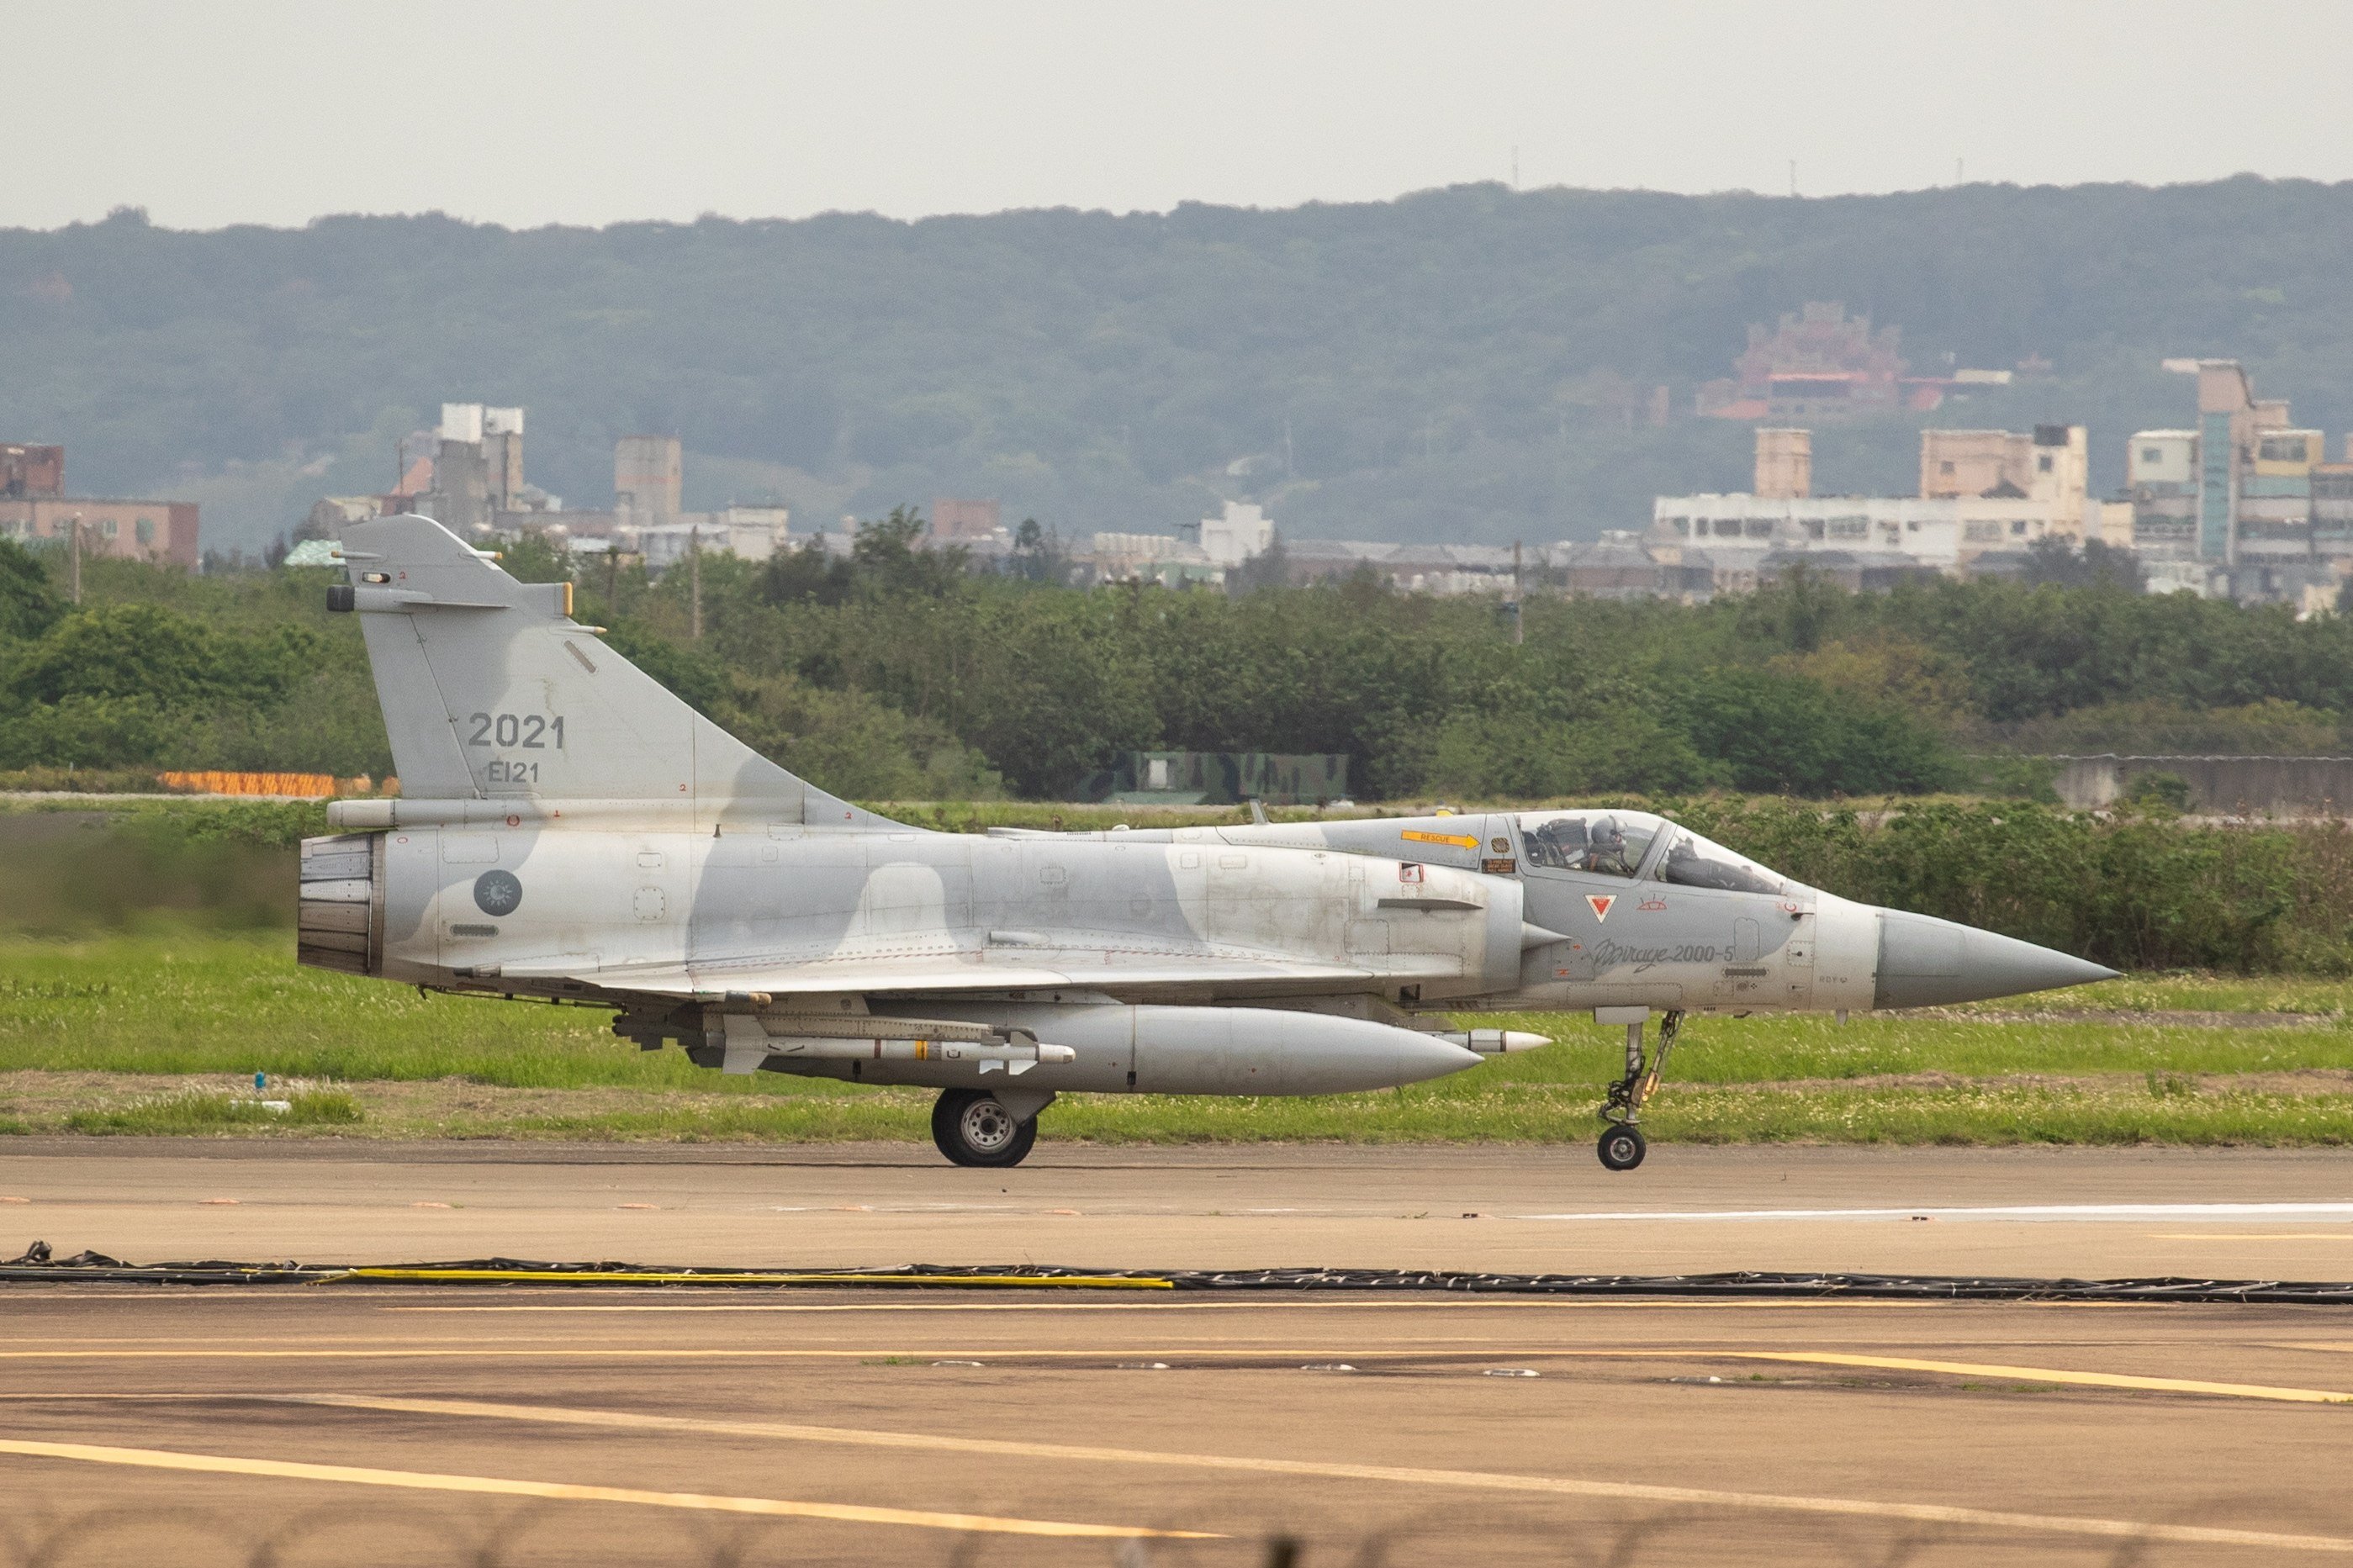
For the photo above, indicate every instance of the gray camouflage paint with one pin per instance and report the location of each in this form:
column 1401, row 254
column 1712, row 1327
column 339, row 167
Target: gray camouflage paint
column 665, row 866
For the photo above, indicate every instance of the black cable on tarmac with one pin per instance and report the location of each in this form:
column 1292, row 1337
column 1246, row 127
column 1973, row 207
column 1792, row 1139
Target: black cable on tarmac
column 38, row 1266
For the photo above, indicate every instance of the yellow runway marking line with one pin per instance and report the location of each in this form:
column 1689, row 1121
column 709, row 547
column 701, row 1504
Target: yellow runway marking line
column 846, row 1280
column 2042, row 1374
column 1558, row 1486
column 422, row 1480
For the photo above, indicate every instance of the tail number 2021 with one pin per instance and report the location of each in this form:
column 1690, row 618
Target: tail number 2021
column 529, row 731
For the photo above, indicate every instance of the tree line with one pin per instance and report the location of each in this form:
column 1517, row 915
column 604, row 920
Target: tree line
column 897, row 671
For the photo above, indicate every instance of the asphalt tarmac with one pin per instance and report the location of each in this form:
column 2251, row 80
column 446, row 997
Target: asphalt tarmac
column 368, row 1424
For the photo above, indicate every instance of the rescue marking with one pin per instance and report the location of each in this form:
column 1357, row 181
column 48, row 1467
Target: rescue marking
column 426, row 1480
column 2113, row 1528
column 1600, row 902
column 1459, row 841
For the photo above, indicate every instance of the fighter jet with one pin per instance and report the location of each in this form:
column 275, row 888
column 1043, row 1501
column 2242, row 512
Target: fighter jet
column 570, row 831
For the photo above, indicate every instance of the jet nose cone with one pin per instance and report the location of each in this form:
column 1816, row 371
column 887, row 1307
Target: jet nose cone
column 1928, row 962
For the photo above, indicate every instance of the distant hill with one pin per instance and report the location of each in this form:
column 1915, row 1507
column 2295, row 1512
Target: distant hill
column 1453, row 364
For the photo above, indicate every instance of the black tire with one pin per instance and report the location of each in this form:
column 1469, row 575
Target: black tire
column 972, row 1128
column 1622, row 1148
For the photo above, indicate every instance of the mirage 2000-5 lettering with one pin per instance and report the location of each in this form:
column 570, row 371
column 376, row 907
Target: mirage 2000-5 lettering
column 568, row 829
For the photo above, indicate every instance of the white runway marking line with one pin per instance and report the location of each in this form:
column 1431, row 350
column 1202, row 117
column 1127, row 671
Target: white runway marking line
column 1934, row 1513
column 421, row 1480
column 2190, row 1213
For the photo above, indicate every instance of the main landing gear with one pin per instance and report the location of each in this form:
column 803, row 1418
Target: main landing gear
column 972, row 1127
column 1622, row 1145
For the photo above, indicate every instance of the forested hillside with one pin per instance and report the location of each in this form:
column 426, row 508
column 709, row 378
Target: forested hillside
column 896, row 673
column 1452, row 365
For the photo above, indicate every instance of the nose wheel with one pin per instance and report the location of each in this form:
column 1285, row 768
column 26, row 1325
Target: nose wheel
column 1622, row 1148
column 1622, row 1144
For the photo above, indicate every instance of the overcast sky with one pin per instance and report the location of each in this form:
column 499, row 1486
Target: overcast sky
column 533, row 111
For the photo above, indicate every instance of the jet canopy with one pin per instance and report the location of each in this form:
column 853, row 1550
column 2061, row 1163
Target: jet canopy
column 1628, row 843
column 1613, row 843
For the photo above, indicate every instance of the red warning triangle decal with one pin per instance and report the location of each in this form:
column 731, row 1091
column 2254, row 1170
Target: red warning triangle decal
column 1600, row 902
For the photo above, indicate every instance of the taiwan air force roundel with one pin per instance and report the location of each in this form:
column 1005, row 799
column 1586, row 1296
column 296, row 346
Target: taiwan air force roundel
column 498, row 892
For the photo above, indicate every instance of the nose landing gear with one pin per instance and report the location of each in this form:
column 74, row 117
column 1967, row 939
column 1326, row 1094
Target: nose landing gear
column 1622, row 1144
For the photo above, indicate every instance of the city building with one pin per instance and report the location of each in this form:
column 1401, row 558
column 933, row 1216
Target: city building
column 468, row 475
column 477, row 471
column 1785, row 463
column 1235, row 535
column 1445, row 570
column 959, row 522
column 2052, row 464
column 33, row 505
column 2161, row 482
column 751, row 532
column 649, row 481
column 1818, row 363
column 1984, row 493
column 29, row 471
column 2245, row 504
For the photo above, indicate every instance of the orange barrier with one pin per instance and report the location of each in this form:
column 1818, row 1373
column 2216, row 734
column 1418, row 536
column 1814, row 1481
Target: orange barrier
column 305, row 787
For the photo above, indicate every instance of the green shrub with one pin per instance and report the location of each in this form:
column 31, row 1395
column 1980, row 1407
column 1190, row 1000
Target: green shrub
column 208, row 1111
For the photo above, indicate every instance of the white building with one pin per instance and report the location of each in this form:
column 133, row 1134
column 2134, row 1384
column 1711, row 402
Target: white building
column 748, row 532
column 1943, row 532
column 1243, row 531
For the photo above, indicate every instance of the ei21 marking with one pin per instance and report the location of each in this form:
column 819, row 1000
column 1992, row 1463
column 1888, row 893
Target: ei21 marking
column 522, row 731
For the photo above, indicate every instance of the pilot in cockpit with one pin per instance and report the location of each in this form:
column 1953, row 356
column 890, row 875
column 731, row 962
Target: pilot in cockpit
column 1606, row 849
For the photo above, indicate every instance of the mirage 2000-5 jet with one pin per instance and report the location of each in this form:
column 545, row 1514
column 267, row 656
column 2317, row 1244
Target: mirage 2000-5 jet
column 569, row 830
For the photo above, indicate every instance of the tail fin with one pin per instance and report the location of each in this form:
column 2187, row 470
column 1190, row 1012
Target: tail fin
column 490, row 690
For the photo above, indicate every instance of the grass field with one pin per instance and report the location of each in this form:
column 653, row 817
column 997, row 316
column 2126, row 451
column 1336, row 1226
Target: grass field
column 155, row 1033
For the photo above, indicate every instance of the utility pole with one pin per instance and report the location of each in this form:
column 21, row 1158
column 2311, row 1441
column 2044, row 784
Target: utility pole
column 73, row 558
column 694, row 581
column 1519, row 632
column 612, row 579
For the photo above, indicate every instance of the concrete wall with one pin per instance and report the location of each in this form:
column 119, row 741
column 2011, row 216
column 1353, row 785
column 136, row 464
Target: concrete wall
column 2283, row 787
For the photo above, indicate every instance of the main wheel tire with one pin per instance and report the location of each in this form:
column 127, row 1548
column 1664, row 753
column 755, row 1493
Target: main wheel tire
column 972, row 1127
column 1622, row 1148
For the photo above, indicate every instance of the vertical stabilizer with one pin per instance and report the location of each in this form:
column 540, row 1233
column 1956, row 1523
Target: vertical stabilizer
column 490, row 689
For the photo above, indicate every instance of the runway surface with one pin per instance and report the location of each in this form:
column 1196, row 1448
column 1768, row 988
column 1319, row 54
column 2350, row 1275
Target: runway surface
column 354, row 1424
